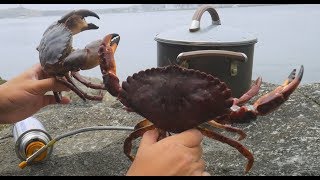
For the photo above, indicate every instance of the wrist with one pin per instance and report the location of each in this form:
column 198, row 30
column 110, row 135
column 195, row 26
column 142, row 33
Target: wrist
column 2, row 96
column 4, row 100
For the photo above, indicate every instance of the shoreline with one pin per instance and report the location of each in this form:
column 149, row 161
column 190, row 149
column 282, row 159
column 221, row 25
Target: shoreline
column 21, row 12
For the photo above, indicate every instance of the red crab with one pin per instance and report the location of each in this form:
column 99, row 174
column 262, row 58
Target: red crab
column 174, row 99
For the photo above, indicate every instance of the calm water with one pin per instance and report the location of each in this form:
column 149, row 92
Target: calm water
column 288, row 36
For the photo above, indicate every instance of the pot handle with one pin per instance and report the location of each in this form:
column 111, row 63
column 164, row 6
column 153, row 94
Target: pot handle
column 195, row 24
column 235, row 58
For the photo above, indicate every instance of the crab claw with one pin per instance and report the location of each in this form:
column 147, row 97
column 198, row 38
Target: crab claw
column 274, row 99
column 113, row 40
column 110, row 41
column 267, row 103
column 82, row 12
column 249, row 94
column 75, row 21
column 107, row 63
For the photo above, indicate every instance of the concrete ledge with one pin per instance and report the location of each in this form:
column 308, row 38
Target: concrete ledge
column 286, row 142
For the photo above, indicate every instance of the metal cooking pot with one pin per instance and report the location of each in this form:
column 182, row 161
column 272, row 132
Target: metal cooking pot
column 222, row 51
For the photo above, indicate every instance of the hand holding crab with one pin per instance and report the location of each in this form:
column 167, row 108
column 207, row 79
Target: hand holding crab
column 58, row 58
column 174, row 99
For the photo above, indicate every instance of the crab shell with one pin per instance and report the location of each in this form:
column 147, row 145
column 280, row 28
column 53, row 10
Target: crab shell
column 55, row 45
column 174, row 98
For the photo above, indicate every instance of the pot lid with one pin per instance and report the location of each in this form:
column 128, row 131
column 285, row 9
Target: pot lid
column 212, row 35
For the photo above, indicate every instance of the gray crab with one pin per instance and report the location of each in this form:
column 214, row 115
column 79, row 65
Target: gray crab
column 59, row 59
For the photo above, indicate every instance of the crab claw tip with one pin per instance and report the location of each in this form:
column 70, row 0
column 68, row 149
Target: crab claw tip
column 92, row 26
column 300, row 75
column 111, row 39
column 82, row 12
column 113, row 35
column 115, row 38
column 85, row 13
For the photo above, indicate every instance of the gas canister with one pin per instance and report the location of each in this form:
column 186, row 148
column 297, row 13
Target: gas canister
column 29, row 136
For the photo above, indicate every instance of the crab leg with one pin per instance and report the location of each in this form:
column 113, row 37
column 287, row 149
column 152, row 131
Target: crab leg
column 140, row 129
column 267, row 103
column 57, row 96
column 85, row 82
column 143, row 127
column 142, row 124
column 71, row 86
column 242, row 149
column 90, row 97
column 229, row 128
column 249, row 94
column 108, row 65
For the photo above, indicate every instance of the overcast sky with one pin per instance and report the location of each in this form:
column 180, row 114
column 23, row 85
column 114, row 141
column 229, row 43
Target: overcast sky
column 64, row 6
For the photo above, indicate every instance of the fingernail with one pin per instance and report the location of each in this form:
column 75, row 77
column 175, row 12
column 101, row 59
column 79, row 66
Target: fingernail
column 152, row 132
column 205, row 173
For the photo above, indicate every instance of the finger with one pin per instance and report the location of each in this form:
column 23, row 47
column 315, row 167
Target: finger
column 190, row 138
column 50, row 99
column 50, row 84
column 31, row 72
column 196, row 152
column 197, row 168
column 37, row 68
column 150, row 137
column 38, row 71
column 65, row 100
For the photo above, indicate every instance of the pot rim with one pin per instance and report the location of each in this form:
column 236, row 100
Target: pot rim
column 186, row 43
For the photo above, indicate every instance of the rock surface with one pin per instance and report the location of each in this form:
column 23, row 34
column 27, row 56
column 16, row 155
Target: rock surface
column 2, row 81
column 285, row 142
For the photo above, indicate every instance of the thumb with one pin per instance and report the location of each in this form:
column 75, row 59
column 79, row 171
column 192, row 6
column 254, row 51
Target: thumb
column 49, row 84
column 150, row 137
column 50, row 99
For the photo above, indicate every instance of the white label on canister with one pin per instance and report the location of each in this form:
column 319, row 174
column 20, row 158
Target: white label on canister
column 27, row 125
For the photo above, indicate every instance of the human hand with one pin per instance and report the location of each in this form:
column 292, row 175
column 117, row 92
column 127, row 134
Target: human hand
column 176, row 155
column 24, row 95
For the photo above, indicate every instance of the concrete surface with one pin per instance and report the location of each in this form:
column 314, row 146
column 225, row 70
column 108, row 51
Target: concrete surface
column 285, row 142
